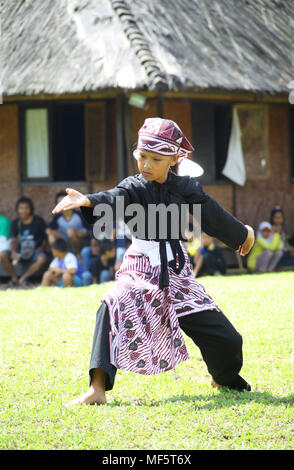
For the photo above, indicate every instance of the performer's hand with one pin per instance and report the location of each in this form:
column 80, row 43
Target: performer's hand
column 248, row 244
column 73, row 200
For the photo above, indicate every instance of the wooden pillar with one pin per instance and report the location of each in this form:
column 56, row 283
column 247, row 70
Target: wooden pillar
column 120, row 137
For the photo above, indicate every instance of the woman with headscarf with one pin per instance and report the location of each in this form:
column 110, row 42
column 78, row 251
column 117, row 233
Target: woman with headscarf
column 267, row 250
column 155, row 295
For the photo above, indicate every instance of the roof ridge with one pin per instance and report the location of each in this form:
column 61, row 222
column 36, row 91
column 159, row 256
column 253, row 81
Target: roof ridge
column 140, row 44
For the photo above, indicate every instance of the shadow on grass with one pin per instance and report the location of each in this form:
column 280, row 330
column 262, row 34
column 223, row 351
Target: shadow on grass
column 224, row 399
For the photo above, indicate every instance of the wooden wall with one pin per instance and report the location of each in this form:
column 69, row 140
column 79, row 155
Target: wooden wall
column 43, row 195
column 9, row 159
column 255, row 200
column 180, row 112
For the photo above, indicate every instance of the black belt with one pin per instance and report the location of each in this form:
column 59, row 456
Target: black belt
column 176, row 250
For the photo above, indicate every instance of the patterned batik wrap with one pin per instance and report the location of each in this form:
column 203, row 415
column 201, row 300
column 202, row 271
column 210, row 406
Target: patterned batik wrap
column 145, row 334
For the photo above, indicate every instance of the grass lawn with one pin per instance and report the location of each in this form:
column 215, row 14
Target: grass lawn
column 46, row 338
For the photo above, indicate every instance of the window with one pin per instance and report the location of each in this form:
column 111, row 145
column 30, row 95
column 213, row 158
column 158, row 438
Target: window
column 36, row 138
column 63, row 142
column 211, row 134
column 222, row 132
column 212, row 125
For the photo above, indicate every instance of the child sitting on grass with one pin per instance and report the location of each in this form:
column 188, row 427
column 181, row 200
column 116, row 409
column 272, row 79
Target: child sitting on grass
column 65, row 269
column 101, row 266
column 192, row 246
column 210, row 259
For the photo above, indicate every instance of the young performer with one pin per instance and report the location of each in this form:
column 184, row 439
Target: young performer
column 138, row 325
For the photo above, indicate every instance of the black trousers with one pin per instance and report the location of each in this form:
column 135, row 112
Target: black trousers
column 220, row 345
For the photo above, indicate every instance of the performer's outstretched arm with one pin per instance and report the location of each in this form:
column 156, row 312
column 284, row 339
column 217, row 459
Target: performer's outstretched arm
column 86, row 202
column 73, row 200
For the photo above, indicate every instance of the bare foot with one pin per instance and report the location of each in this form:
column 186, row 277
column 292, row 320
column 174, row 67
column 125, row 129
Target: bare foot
column 74, row 402
column 23, row 282
column 91, row 397
column 13, row 282
column 215, row 385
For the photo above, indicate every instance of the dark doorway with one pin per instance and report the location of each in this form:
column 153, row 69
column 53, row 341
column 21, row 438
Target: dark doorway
column 68, row 142
column 222, row 131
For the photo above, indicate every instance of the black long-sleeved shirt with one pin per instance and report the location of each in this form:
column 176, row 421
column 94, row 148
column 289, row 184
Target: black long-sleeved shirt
column 215, row 220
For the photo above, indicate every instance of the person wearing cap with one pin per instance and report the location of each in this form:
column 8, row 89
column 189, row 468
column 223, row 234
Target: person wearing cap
column 267, row 250
column 155, row 295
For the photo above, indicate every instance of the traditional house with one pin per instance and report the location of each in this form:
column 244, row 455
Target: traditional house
column 80, row 76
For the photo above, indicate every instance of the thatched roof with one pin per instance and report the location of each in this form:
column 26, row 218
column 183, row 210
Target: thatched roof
column 76, row 46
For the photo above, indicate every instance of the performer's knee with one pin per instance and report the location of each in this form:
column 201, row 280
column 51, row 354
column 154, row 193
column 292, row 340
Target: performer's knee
column 235, row 341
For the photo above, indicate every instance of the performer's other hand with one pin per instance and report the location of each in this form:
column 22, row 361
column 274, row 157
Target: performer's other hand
column 73, row 200
column 248, row 244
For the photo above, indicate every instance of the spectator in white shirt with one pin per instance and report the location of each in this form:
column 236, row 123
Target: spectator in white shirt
column 68, row 225
column 65, row 269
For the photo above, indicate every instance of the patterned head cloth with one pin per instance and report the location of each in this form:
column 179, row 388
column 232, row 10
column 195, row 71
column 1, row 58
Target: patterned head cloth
column 163, row 137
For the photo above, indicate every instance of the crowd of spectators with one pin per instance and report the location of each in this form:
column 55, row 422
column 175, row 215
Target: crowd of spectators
column 273, row 249
column 64, row 252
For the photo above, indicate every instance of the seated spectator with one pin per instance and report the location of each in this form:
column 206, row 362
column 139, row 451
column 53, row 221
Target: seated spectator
column 65, row 269
column 102, row 266
column 277, row 220
column 119, row 237
column 122, row 241
column 291, row 241
column 68, row 225
column 211, row 259
column 5, row 227
column 266, row 251
column 27, row 244
column 192, row 246
column 89, row 252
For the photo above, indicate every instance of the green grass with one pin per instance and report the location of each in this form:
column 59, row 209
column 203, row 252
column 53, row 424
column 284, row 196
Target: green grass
column 46, row 338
